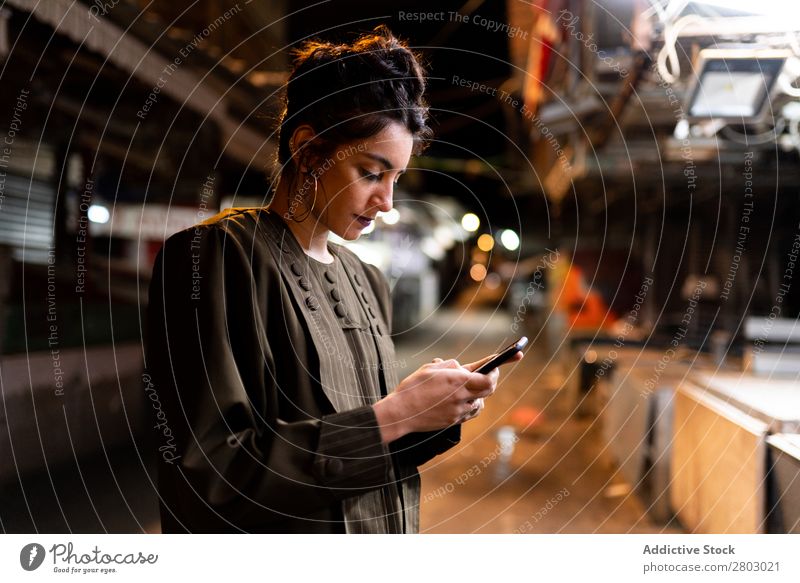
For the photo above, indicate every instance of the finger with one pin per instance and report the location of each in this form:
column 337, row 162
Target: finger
column 473, row 366
column 467, row 414
column 489, row 387
column 473, row 403
column 493, row 378
column 449, row 363
column 474, row 409
column 480, row 384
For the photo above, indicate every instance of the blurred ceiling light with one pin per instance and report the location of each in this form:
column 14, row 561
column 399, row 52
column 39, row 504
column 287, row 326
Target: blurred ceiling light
column 509, row 239
column 485, row 242
column 470, row 222
column 444, row 235
column 430, row 247
column 391, row 217
column 477, row 272
column 98, row 214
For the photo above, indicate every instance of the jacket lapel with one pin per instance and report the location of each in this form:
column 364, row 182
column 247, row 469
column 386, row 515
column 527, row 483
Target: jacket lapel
column 335, row 361
column 378, row 327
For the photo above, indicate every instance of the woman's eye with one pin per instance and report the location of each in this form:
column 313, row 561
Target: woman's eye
column 370, row 176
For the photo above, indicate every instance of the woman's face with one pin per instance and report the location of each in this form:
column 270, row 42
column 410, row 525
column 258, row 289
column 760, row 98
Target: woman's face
column 357, row 180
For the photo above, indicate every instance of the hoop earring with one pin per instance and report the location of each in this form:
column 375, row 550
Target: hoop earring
column 308, row 213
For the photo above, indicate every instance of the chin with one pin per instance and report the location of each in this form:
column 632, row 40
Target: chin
column 351, row 235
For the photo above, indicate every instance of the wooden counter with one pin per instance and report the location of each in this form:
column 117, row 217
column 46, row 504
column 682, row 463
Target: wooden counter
column 718, row 466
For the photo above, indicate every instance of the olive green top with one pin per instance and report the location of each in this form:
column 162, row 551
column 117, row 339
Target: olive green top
column 264, row 420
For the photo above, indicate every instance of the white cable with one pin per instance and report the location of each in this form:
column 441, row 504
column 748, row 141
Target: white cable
column 790, row 72
column 669, row 52
column 786, row 86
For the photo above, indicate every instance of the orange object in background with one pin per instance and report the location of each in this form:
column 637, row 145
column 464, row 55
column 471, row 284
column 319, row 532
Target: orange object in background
column 585, row 307
column 526, row 418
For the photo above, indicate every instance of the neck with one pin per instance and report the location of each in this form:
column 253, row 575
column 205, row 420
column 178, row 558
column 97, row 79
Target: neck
column 310, row 233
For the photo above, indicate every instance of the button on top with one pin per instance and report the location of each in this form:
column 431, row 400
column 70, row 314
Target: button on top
column 357, row 277
column 328, row 467
column 330, row 277
column 305, row 284
column 312, row 302
column 296, row 269
column 336, row 295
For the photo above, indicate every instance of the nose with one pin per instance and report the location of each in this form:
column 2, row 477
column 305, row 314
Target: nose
column 385, row 196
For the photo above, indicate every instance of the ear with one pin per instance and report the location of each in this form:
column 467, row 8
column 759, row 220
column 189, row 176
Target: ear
column 298, row 146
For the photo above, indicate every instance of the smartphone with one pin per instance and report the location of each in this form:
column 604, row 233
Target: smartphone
column 506, row 354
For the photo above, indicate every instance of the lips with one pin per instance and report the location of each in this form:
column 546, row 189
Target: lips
column 364, row 221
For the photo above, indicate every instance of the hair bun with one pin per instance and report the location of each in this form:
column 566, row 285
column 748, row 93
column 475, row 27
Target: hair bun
column 352, row 90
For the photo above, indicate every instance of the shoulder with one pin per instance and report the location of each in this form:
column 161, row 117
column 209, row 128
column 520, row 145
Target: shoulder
column 236, row 223
column 231, row 222
column 231, row 232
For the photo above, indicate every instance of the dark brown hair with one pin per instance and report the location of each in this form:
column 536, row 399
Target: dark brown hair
column 347, row 92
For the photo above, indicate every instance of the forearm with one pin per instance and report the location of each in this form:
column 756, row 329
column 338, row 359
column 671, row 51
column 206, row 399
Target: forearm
column 393, row 421
column 415, row 446
column 250, row 478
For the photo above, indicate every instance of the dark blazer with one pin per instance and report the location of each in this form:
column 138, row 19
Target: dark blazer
column 255, row 428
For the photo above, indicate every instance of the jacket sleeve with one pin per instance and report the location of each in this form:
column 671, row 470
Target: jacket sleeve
column 420, row 447
column 226, row 453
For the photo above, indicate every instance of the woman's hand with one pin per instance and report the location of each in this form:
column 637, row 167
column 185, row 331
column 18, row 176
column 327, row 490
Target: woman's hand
column 435, row 396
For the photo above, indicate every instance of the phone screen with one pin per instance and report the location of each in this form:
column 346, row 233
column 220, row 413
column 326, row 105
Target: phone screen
column 504, row 356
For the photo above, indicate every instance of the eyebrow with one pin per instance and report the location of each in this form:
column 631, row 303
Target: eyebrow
column 383, row 161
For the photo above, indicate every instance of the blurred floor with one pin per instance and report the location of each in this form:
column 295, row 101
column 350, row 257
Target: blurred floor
column 557, row 479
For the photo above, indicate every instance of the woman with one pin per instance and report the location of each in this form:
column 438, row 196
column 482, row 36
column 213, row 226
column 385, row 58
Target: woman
column 279, row 409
